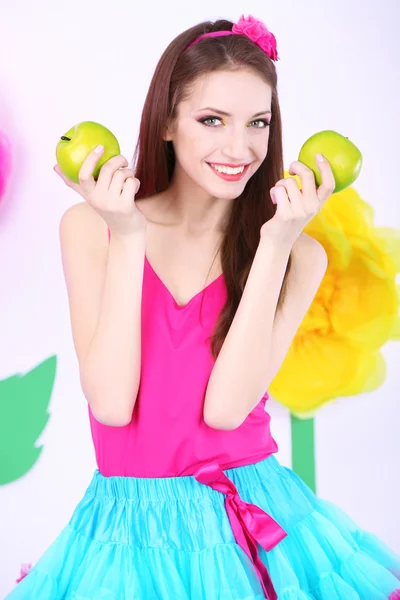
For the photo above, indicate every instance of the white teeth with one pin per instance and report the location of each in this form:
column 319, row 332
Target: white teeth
column 228, row 170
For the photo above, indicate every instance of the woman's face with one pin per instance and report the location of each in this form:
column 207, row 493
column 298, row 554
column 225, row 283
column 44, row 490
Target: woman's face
column 203, row 135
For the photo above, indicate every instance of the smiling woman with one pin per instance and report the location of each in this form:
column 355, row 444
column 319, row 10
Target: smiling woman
column 189, row 501
column 200, row 138
column 231, row 171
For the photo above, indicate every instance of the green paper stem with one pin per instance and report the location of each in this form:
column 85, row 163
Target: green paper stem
column 303, row 450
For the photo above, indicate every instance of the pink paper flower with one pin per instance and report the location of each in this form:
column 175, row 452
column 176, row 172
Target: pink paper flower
column 25, row 568
column 258, row 33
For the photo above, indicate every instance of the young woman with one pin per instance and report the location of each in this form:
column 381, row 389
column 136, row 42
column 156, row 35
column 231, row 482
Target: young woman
column 189, row 501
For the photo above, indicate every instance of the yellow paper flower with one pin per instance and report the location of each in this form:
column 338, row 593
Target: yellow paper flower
column 336, row 351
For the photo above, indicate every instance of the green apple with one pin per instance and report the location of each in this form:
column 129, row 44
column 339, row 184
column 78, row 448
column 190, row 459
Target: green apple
column 343, row 156
column 75, row 145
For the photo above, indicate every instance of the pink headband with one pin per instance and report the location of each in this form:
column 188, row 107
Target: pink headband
column 254, row 29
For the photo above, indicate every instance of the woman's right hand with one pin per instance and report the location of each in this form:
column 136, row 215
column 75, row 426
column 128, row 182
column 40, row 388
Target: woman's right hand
column 113, row 195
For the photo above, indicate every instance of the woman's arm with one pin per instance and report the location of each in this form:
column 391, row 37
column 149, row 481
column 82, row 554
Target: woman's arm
column 259, row 338
column 104, row 285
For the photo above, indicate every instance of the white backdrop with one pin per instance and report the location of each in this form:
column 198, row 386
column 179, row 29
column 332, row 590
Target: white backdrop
column 61, row 63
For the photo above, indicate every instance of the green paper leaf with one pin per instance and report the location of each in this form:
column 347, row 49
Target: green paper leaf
column 24, row 401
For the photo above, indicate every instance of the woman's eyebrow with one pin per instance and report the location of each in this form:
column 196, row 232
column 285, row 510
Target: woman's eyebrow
column 221, row 112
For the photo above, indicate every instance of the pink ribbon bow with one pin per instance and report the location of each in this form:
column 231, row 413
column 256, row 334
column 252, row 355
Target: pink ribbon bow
column 250, row 524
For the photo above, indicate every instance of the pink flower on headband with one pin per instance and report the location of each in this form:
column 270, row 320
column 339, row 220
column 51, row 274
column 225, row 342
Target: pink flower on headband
column 25, row 568
column 258, row 33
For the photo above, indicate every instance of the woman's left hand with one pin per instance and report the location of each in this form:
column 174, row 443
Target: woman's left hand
column 296, row 207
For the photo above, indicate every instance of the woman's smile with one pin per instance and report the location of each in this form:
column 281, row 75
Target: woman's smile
column 229, row 173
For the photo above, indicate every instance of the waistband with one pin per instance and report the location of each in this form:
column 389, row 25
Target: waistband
column 185, row 487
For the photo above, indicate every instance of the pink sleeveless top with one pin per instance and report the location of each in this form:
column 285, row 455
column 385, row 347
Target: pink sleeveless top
column 167, row 435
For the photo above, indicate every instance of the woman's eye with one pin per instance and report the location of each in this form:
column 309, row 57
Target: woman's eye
column 209, row 119
column 263, row 122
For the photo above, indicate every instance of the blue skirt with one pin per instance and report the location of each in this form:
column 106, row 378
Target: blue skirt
column 171, row 539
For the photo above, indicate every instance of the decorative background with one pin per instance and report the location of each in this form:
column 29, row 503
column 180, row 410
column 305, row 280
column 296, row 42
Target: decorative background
column 334, row 403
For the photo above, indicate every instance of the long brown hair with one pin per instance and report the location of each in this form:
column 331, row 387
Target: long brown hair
column 154, row 158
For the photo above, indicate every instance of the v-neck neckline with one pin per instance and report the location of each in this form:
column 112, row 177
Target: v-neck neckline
column 181, row 306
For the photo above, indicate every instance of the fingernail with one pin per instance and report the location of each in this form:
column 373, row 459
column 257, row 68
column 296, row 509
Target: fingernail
column 320, row 158
column 98, row 149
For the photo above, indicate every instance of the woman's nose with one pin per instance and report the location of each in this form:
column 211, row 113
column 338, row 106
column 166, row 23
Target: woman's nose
column 236, row 146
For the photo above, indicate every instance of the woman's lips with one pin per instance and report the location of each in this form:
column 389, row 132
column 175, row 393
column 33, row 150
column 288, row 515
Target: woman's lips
column 228, row 176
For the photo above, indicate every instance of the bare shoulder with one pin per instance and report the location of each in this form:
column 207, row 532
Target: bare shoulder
column 309, row 264
column 82, row 222
column 306, row 242
column 308, row 253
